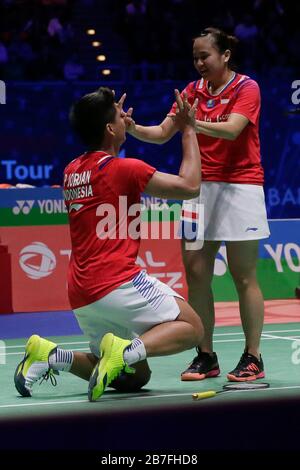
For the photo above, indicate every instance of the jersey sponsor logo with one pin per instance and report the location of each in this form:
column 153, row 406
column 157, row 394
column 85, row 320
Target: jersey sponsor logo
column 218, row 118
column 37, row 260
column 75, row 207
column 222, row 117
column 210, row 103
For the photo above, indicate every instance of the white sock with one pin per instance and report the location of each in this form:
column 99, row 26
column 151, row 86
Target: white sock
column 135, row 352
column 61, row 360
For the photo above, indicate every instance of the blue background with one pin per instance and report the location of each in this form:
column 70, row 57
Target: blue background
column 35, row 131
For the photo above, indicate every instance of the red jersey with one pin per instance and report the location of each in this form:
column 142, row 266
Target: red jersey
column 99, row 190
column 236, row 161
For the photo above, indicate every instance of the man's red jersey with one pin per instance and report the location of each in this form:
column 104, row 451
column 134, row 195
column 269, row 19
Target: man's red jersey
column 99, row 189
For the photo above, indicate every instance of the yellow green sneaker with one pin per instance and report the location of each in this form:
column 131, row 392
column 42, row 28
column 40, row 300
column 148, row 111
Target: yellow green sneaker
column 35, row 365
column 109, row 366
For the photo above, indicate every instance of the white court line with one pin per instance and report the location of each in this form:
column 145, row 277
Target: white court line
column 21, row 353
column 288, row 338
column 264, row 337
column 60, row 344
column 46, row 403
column 169, row 395
column 265, row 333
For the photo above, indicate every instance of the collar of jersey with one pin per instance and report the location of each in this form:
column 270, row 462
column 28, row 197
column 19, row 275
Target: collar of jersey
column 106, row 155
column 224, row 87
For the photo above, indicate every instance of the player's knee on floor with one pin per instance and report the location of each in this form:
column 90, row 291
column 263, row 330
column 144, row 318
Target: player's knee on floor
column 133, row 382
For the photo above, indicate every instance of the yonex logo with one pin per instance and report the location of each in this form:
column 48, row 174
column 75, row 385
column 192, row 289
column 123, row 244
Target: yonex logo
column 23, row 207
column 37, row 260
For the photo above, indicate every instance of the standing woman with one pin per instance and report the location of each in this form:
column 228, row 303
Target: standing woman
column 227, row 125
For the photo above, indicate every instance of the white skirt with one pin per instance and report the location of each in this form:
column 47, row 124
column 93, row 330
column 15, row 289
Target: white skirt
column 229, row 212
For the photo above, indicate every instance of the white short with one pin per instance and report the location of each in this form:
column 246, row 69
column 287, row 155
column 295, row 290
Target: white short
column 128, row 311
column 232, row 212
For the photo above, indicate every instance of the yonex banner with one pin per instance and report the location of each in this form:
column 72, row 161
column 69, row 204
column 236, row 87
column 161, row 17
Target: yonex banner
column 278, row 267
column 37, row 206
column 35, row 249
column 39, row 261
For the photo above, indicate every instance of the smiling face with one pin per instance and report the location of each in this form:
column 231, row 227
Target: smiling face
column 209, row 62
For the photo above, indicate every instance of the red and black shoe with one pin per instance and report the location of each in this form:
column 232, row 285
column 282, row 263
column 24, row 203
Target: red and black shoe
column 248, row 368
column 204, row 365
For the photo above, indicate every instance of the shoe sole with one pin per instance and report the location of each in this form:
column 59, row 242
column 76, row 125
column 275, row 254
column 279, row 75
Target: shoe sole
column 190, row 376
column 19, row 379
column 98, row 380
column 233, row 378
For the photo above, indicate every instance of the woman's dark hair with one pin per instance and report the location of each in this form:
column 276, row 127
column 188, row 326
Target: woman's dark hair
column 90, row 115
column 222, row 41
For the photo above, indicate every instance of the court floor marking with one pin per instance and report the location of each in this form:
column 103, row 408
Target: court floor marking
column 61, row 344
column 169, row 395
column 21, row 353
column 21, row 346
column 265, row 333
column 288, row 338
column 264, row 337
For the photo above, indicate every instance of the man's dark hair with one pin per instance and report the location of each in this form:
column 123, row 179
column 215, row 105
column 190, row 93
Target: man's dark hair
column 90, row 114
